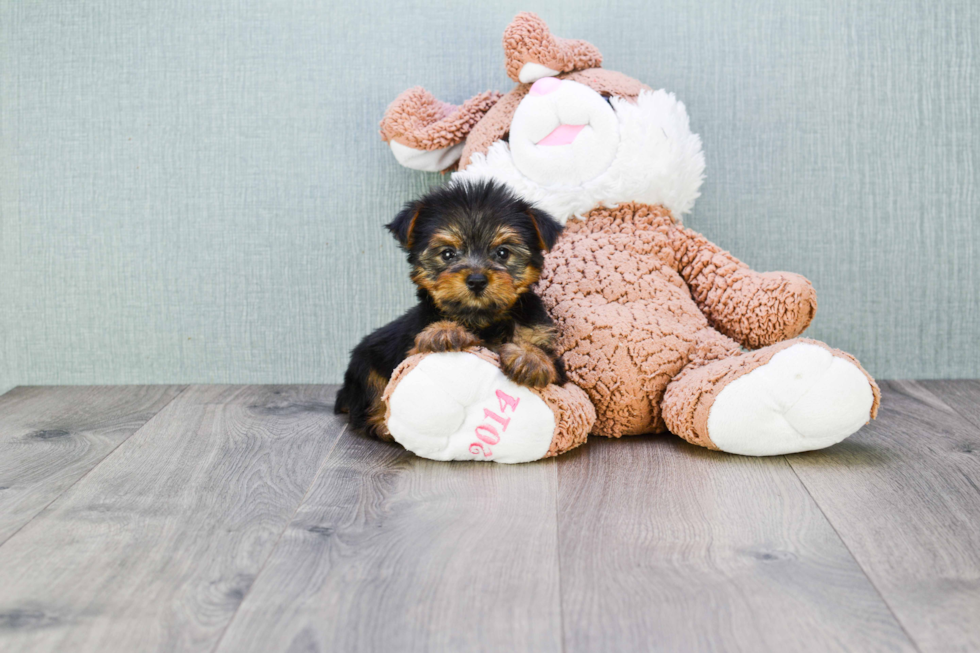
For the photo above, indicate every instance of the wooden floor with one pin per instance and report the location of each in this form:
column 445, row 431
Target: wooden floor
column 246, row 518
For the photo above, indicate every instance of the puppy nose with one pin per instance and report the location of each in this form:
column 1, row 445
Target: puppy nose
column 545, row 85
column 476, row 282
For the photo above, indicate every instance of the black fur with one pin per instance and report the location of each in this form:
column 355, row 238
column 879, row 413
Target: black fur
column 476, row 212
column 478, row 209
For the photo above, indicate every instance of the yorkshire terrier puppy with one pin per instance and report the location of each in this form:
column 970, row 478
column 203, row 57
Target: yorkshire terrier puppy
column 475, row 250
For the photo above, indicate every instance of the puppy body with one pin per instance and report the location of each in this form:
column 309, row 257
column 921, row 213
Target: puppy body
column 475, row 251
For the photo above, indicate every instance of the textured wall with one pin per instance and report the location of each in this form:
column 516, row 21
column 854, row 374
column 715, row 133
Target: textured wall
column 194, row 191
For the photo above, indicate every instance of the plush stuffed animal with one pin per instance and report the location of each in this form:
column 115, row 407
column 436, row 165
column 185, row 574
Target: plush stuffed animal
column 652, row 316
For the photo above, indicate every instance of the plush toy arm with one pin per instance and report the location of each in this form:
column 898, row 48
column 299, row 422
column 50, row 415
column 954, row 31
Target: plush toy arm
column 755, row 308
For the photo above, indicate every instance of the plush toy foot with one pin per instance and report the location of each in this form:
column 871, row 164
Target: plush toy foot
column 795, row 396
column 460, row 406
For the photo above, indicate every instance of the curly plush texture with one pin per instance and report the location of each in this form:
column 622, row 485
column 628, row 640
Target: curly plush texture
column 418, row 120
column 608, row 82
column 528, row 40
column 575, row 416
column 754, row 308
column 638, row 298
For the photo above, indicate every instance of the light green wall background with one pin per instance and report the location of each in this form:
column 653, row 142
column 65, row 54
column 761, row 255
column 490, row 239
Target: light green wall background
column 194, row 191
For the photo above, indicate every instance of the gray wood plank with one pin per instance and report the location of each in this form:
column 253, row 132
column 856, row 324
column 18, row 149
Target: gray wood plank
column 963, row 396
column 52, row 436
column 904, row 494
column 155, row 548
column 665, row 546
column 394, row 553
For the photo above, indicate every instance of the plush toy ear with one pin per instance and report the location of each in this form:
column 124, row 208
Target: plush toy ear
column 404, row 223
column 547, row 227
column 532, row 52
column 426, row 134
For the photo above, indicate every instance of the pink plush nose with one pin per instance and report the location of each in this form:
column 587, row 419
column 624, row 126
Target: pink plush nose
column 545, row 85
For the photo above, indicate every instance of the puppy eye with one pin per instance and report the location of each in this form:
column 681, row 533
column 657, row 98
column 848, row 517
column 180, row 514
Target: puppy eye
column 448, row 255
column 502, row 253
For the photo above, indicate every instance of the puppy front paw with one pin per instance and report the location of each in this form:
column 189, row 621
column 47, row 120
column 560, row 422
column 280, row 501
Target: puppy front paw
column 443, row 336
column 527, row 365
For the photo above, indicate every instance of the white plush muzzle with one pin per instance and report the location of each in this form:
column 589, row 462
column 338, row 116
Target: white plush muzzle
column 649, row 155
column 555, row 107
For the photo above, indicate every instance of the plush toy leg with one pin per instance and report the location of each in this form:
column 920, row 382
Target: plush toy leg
column 460, row 406
column 797, row 395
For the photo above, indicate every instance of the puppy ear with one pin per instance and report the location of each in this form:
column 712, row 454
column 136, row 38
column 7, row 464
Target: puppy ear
column 404, row 223
column 547, row 228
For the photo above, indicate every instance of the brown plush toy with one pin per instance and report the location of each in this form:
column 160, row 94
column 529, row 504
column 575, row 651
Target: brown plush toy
column 652, row 316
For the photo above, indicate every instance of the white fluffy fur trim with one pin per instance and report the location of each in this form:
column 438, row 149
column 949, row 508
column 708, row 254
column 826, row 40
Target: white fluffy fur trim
column 659, row 161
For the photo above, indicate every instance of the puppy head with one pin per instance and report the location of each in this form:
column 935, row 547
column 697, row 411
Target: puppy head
column 474, row 247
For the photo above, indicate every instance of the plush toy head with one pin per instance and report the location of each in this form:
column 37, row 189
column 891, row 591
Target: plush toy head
column 571, row 136
column 650, row 316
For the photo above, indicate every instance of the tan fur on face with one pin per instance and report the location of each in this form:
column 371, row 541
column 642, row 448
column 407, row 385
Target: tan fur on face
column 501, row 293
column 441, row 239
column 450, row 288
column 526, row 280
column 509, row 237
column 447, row 285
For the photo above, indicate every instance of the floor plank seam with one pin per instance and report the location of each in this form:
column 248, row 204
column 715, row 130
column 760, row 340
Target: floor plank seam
column 967, row 418
column 847, row 547
column 903, row 493
column 275, row 546
column 89, row 471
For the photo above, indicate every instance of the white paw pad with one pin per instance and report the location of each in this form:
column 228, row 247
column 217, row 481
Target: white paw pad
column 804, row 398
column 458, row 406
